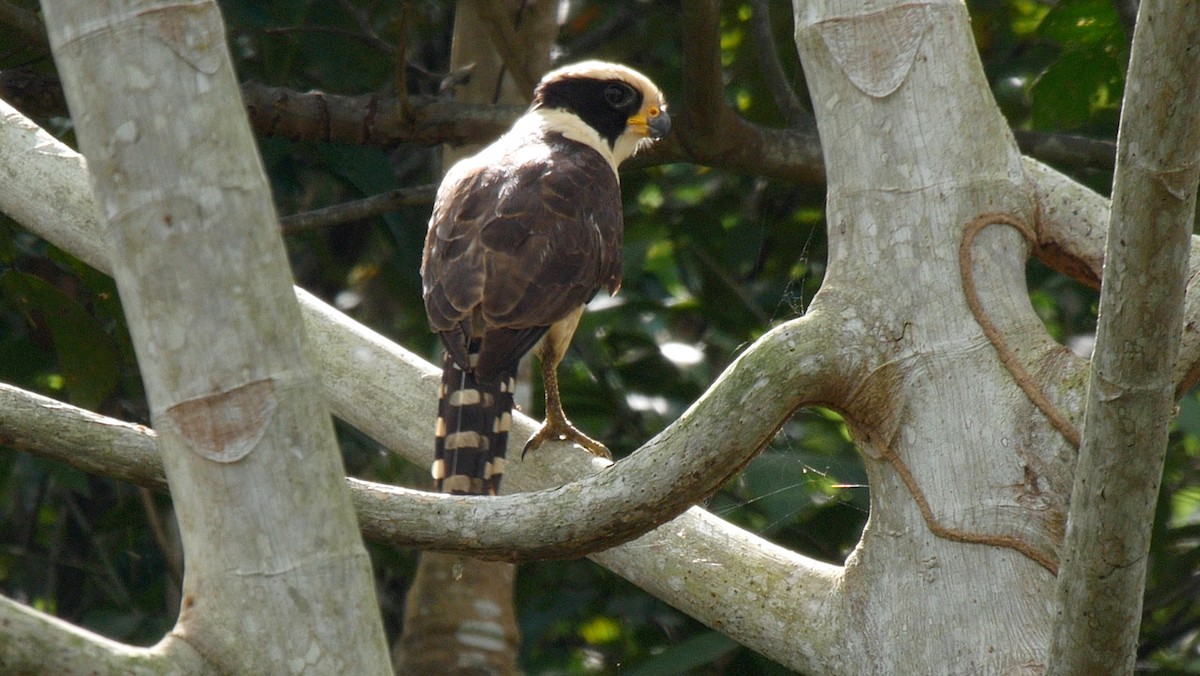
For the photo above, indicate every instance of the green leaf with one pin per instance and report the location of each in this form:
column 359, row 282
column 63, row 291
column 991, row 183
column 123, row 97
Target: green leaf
column 1083, row 22
column 698, row 651
column 87, row 355
column 1063, row 95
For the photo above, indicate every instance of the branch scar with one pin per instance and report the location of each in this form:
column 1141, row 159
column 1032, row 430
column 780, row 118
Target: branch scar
column 225, row 426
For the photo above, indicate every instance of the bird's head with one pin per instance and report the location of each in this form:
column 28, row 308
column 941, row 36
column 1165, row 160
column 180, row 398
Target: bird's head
column 623, row 106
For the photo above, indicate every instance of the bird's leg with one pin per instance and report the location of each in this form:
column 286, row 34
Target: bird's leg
column 557, row 427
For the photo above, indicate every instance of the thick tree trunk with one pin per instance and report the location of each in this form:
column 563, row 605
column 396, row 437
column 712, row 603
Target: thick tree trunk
column 276, row 579
column 969, row 481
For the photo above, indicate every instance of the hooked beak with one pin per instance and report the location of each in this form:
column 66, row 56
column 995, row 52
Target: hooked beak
column 659, row 125
column 653, row 123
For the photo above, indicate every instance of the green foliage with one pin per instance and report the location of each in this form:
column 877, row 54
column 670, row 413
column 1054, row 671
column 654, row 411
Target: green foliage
column 1055, row 66
column 712, row 261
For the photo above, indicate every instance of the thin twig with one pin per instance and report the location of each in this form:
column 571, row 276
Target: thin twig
column 358, row 209
column 362, row 19
column 165, row 543
column 734, row 285
column 598, row 35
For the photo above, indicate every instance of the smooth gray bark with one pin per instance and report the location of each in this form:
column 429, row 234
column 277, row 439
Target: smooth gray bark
column 1131, row 391
column 277, row 579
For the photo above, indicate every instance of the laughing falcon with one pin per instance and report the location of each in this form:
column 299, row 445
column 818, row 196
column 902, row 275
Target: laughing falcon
column 522, row 235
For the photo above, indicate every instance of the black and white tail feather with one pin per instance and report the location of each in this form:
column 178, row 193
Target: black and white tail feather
column 466, row 460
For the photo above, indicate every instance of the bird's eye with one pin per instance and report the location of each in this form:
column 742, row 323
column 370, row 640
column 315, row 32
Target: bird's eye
column 619, row 95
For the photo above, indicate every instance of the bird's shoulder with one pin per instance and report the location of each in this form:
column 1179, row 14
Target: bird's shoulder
column 523, row 179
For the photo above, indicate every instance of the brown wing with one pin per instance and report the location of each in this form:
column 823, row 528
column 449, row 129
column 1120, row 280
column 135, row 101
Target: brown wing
column 517, row 241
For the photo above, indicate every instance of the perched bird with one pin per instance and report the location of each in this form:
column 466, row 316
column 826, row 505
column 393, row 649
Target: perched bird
column 522, row 235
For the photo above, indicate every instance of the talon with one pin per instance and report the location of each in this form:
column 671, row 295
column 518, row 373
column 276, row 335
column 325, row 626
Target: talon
column 565, row 432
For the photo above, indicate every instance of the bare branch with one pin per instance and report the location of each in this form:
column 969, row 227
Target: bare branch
column 593, row 514
column 371, row 118
column 708, row 131
column 1071, row 227
column 1065, row 150
column 1071, row 223
column 672, row 471
column 232, row 402
column 37, row 643
column 367, row 207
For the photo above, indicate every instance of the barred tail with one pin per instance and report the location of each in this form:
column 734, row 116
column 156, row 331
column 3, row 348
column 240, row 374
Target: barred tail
column 471, row 436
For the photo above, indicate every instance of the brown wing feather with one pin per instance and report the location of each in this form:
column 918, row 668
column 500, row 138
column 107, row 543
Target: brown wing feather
column 516, row 244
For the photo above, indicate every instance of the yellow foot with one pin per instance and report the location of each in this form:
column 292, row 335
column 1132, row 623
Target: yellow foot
column 565, row 432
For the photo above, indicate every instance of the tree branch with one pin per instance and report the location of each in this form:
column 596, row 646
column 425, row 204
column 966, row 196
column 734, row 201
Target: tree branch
column 672, row 471
column 1071, row 228
column 367, row 207
column 34, row 642
column 727, row 142
column 372, row 119
column 1065, row 150
column 1071, row 223
column 1132, row 386
column 194, row 246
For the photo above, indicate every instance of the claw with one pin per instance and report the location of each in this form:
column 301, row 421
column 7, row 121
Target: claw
column 565, row 432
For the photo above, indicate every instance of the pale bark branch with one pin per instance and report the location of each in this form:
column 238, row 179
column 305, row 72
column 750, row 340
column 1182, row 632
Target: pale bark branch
column 1133, row 381
column 953, row 448
column 88, row 441
column 597, row 512
column 1072, row 220
column 34, row 642
column 1071, row 226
